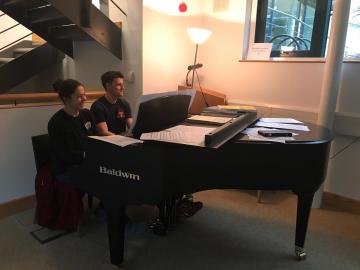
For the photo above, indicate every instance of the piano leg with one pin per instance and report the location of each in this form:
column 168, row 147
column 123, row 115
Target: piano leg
column 302, row 220
column 159, row 226
column 167, row 216
column 116, row 221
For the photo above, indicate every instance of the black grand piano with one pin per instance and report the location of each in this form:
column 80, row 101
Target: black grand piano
column 154, row 172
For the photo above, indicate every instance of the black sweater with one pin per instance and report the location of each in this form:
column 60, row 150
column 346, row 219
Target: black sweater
column 66, row 135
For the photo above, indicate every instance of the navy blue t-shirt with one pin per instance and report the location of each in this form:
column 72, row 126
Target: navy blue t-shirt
column 115, row 115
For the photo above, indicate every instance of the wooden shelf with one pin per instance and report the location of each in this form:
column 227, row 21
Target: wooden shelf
column 36, row 99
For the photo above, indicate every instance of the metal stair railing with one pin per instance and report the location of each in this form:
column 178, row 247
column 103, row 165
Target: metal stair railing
column 119, row 8
column 296, row 32
column 293, row 40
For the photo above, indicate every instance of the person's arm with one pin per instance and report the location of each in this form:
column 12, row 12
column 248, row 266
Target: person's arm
column 128, row 115
column 102, row 129
column 129, row 122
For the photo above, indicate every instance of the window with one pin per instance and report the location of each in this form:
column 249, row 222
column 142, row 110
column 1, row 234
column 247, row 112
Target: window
column 352, row 49
column 295, row 27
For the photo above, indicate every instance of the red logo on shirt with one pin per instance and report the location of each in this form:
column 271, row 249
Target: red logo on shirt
column 120, row 114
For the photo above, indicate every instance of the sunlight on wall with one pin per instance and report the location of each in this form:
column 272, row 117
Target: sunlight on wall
column 171, row 7
column 226, row 10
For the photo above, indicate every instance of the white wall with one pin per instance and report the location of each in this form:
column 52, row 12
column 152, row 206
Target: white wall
column 132, row 61
column 17, row 163
column 167, row 49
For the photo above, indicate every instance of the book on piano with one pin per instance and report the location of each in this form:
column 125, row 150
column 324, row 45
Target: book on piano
column 209, row 120
column 227, row 110
column 237, row 108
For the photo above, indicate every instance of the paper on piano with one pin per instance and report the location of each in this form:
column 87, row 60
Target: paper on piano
column 117, row 140
column 254, row 135
column 164, row 135
column 209, row 119
column 280, row 120
column 193, row 135
column 282, row 126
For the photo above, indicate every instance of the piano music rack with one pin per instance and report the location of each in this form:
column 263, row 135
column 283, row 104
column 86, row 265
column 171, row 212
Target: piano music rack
column 228, row 130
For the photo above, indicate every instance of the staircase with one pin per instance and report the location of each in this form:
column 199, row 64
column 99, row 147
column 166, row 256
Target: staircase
column 24, row 60
column 61, row 22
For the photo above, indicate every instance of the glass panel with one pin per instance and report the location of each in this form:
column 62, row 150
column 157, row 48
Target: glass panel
column 352, row 48
column 289, row 24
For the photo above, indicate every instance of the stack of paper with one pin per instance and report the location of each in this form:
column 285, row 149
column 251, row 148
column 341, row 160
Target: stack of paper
column 238, row 108
column 271, row 123
column 282, row 123
column 254, row 135
column 193, row 135
column 211, row 120
column 117, row 140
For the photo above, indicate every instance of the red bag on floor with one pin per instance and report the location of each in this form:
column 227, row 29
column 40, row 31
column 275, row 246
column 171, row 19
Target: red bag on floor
column 59, row 205
column 70, row 205
column 47, row 208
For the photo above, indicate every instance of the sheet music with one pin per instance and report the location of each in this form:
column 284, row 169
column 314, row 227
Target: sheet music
column 193, row 135
column 280, row 120
column 164, row 135
column 117, row 140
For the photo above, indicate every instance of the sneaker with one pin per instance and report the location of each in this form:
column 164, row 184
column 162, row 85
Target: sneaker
column 187, row 208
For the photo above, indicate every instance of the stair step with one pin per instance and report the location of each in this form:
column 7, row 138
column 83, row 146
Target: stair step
column 20, row 51
column 44, row 14
column 70, row 31
column 28, row 65
column 22, row 4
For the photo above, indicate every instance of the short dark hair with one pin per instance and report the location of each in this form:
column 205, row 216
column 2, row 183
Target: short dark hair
column 109, row 76
column 65, row 88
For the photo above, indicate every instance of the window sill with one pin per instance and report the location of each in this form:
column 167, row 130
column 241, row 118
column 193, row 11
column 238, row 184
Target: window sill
column 297, row 60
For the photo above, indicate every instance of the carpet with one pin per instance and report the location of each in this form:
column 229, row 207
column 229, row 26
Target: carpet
column 44, row 235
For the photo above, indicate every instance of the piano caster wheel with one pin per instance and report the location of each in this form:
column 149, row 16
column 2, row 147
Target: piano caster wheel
column 300, row 253
column 117, row 267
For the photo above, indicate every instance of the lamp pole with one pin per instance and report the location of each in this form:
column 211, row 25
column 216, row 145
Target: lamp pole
column 193, row 73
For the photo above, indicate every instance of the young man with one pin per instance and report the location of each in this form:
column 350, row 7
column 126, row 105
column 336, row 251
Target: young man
column 112, row 112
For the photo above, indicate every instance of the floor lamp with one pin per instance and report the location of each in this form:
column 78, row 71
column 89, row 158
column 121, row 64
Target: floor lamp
column 198, row 36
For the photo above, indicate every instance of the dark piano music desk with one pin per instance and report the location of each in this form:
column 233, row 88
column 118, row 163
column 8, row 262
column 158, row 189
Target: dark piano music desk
column 154, row 171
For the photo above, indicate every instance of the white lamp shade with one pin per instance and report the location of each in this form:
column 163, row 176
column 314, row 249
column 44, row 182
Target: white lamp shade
column 198, row 35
